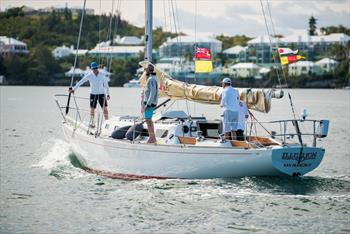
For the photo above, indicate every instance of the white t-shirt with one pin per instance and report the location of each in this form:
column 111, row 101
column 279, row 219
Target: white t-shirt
column 98, row 84
column 229, row 99
column 242, row 112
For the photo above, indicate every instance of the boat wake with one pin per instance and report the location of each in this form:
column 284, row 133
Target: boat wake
column 59, row 160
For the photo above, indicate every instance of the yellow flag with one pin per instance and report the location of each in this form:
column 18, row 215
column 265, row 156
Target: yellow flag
column 290, row 59
column 203, row 66
column 284, row 60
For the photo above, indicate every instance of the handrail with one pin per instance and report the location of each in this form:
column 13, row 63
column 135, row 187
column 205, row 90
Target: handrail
column 66, row 95
column 280, row 130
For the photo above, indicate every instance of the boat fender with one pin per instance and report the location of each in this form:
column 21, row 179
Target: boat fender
column 120, row 133
column 134, row 131
column 185, row 129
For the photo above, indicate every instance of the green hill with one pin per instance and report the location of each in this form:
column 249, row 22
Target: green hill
column 44, row 31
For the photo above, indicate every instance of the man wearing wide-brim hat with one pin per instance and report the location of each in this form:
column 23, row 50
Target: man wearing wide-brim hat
column 229, row 103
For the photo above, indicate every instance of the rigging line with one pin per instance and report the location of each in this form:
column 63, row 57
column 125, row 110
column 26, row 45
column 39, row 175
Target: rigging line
column 271, row 44
column 99, row 34
column 195, row 33
column 175, row 27
column 274, row 32
column 78, row 43
column 195, row 46
column 76, row 56
column 269, row 36
column 296, row 125
column 283, row 72
column 109, row 34
column 170, row 18
column 176, row 20
column 178, row 29
column 116, row 24
column 164, row 11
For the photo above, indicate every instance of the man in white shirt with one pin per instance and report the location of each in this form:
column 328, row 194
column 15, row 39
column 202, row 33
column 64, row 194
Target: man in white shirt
column 229, row 102
column 243, row 114
column 99, row 89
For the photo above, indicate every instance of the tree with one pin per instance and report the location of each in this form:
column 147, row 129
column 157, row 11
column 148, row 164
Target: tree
column 14, row 12
column 2, row 66
column 335, row 29
column 229, row 41
column 67, row 14
column 53, row 20
column 312, row 26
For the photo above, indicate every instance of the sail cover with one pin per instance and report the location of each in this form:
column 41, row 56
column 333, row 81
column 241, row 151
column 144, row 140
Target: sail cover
column 256, row 99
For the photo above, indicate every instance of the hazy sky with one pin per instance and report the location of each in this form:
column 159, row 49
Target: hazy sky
column 215, row 17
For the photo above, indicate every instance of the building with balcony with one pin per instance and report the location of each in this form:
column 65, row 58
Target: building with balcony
column 64, row 51
column 327, row 65
column 237, row 53
column 260, row 51
column 117, row 51
column 185, row 45
column 304, row 68
column 243, row 70
column 9, row 46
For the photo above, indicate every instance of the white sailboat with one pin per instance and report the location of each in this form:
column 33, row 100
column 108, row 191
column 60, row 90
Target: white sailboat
column 134, row 83
column 191, row 147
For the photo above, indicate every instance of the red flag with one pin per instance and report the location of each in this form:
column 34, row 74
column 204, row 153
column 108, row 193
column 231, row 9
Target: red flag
column 203, row 53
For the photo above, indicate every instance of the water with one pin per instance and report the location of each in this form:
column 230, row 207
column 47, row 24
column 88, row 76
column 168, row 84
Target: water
column 42, row 192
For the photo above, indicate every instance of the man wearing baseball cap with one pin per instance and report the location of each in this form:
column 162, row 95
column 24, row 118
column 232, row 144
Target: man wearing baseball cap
column 229, row 103
column 98, row 90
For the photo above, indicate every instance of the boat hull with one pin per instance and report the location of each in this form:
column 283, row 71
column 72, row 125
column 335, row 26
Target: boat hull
column 120, row 158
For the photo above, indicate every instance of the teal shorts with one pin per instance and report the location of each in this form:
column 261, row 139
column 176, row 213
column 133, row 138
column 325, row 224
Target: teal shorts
column 149, row 112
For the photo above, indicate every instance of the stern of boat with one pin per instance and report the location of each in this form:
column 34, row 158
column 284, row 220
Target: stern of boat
column 297, row 161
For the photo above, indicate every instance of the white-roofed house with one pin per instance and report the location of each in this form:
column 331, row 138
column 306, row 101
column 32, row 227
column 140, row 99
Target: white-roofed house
column 117, row 51
column 61, row 51
column 10, row 46
column 327, row 65
column 182, row 45
column 303, row 68
column 243, row 70
column 237, row 52
column 64, row 51
column 259, row 49
column 129, row 40
column 77, row 72
column 2, row 79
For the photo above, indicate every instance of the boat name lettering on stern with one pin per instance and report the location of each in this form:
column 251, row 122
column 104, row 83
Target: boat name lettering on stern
column 295, row 156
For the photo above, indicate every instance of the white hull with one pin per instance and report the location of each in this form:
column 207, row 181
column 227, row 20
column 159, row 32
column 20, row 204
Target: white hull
column 122, row 159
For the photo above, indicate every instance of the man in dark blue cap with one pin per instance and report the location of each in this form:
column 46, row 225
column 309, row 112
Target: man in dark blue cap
column 99, row 89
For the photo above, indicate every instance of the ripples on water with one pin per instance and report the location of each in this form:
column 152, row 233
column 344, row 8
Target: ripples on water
column 43, row 189
column 252, row 204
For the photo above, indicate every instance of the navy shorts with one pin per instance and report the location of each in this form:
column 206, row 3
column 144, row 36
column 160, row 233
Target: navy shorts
column 97, row 97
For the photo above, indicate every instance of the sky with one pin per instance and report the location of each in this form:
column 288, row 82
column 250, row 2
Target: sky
column 216, row 17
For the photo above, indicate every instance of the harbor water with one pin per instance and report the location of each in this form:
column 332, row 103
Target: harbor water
column 41, row 191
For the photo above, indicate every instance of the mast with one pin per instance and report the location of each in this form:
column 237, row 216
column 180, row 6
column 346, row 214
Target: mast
column 148, row 29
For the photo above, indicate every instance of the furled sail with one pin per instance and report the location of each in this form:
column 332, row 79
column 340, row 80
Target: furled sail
column 256, row 99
